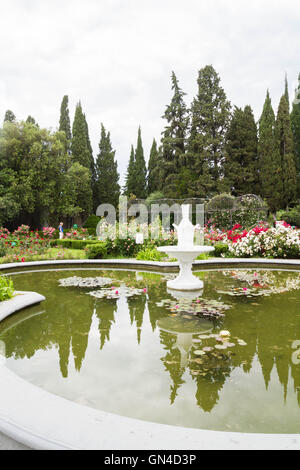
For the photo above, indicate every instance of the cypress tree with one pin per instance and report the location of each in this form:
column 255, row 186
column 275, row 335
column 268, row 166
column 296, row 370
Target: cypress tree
column 295, row 121
column 174, row 139
column 64, row 120
column 9, row 116
column 107, row 189
column 286, row 90
column 140, row 170
column 210, row 112
column 241, row 170
column 79, row 144
column 154, row 167
column 269, row 162
column 130, row 175
column 285, row 145
column 92, row 166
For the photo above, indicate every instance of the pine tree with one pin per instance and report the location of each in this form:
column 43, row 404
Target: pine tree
column 285, row 145
column 295, row 121
column 241, row 170
column 210, row 112
column 107, row 189
column 130, row 175
column 174, row 140
column 269, row 163
column 154, row 168
column 9, row 116
column 79, row 145
column 64, row 121
column 140, row 170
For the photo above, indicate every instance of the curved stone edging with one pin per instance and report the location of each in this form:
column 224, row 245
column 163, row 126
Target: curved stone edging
column 42, row 420
column 159, row 265
column 20, row 301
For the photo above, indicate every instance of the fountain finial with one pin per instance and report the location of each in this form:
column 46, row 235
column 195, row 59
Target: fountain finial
column 185, row 230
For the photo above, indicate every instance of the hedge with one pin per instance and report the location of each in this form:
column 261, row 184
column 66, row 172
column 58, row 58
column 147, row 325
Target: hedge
column 74, row 244
column 97, row 251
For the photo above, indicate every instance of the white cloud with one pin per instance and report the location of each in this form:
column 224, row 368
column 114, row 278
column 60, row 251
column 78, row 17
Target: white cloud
column 116, row 56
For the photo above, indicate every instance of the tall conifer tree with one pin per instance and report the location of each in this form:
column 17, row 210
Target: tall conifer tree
column 64, row 120
column 241, row 170
column 285, row 145
column 154, row 169
column 140, row 169
column 295, row 121
column 130, row 175
column 210, row 112
column 269, row 162
column 107, row 189
column 79, row 146
column 174, row 139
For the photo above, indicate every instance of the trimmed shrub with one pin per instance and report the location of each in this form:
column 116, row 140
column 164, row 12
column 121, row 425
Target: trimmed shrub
column 96, row 251
column 220, row 249
column 81, row 244
column 292, row 216
column 64, row 243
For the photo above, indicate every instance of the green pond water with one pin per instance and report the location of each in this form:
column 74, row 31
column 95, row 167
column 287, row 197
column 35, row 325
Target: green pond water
column 153, row 357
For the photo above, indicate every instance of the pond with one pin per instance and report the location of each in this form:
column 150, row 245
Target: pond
column 227, row 359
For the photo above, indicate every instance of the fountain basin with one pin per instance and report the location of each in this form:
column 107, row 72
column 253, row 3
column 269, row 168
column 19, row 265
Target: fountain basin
column 185, row 281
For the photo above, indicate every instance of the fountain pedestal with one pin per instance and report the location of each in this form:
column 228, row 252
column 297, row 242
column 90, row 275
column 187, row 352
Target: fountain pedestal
column 186, row 279
column 186, row 252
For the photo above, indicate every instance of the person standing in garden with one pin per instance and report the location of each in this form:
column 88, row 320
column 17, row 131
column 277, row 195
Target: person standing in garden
column 61, row 230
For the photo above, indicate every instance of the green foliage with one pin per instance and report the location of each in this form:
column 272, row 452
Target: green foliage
column 241, row 169
column 150, row 254
column 130, row 175
column 9, row 116
column 107, row 188
column 224, row 211
column 154, row 170
column 79, row 146
column 291, row 216
column 140, row 170
column 92, row 222
column 269, row 162
column 64, row 121
column 210, row 114
column 220, row 249
column 285, row 143
column 295, row 122
column 6, row 288
column 97, row 251
column 173, row 141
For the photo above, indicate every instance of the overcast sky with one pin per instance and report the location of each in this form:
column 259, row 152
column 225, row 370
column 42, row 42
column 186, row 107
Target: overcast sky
column 116, row 56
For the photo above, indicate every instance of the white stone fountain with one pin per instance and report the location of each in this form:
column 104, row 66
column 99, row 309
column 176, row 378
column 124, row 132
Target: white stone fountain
column 186, row 252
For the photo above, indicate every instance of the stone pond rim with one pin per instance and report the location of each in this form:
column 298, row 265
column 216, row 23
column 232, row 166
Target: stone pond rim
column 36, row 425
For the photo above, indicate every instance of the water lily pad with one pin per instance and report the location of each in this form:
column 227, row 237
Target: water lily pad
column 199, row 352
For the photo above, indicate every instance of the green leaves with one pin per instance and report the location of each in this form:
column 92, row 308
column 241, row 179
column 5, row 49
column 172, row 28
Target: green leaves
column 6, row 288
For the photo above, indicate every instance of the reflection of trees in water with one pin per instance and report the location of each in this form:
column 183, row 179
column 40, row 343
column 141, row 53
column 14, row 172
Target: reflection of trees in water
column 66, row 327
column 105, row 312
column 136, row 306
column 172, row 363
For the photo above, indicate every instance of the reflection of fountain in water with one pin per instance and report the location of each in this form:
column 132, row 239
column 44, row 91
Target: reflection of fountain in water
column 184, row 330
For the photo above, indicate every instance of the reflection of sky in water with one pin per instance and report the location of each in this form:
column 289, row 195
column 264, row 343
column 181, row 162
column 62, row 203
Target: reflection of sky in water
column 112, row 355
